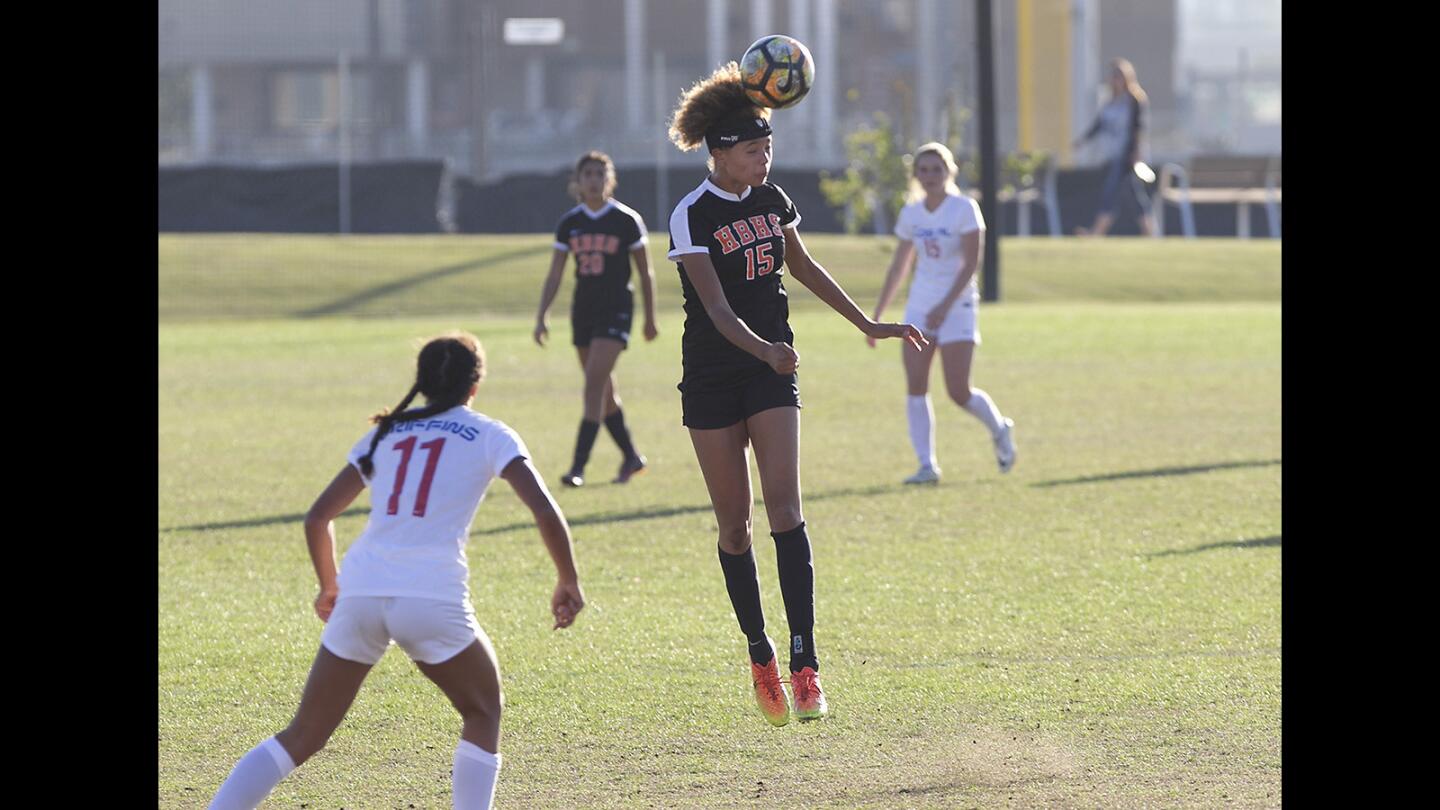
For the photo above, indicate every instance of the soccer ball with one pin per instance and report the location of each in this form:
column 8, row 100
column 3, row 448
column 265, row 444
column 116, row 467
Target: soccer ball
column 777, row 71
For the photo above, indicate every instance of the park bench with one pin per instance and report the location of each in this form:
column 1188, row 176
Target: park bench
column 1237, row 179
column 1012, row 187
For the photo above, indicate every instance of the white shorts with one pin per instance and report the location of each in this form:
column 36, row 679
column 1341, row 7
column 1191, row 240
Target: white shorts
column 430, row 631
column 959, row 325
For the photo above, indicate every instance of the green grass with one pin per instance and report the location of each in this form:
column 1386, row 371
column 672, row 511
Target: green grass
column 1101, row 627
column 249, row 276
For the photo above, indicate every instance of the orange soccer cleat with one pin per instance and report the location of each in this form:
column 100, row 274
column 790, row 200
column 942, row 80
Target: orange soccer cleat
column 770, row 692
column 629, row 468
column 809, row 699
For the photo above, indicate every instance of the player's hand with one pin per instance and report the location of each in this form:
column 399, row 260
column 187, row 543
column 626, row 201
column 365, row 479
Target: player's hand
column 325, row 604
column 907, row 331
column 541, row 333
column 935, row 317
column 782, row 357
column 650, row 331
column 566, row 602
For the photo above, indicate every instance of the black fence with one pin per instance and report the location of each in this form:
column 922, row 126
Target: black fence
column 396, row 197
column 415, row 196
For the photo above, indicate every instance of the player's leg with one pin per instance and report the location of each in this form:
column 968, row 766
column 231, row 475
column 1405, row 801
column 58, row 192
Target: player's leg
column 329, row 690
column 1109, row 198
column 956, row 359
column 599, row 364
column 471, row 680
column 724, row 457
column 775, row 434
column 919, row 412
column 1142, row 199
column 589, row 423
column 600, row 399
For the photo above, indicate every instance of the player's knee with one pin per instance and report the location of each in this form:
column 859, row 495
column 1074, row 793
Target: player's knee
column 960, row 393
column 482, row 707
column 784, row 518
column 735, row 536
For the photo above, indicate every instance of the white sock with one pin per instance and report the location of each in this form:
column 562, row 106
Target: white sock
column 983, row 408
column 922, row 438
column 255, row 775
column 474, row 777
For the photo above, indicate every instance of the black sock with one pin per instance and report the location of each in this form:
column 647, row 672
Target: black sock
column 615, row 423
column 583, row 442
column 797, row 586
column 743, row 584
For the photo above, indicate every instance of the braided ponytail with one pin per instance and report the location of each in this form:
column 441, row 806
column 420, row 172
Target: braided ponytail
column 386, row 419
column 446, row 369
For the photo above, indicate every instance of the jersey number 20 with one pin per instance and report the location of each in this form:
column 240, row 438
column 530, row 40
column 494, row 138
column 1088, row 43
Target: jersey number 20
column 422, row 497
column 591, row 264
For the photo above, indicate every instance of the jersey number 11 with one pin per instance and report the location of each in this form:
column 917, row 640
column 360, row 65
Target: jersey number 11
column 422, row 497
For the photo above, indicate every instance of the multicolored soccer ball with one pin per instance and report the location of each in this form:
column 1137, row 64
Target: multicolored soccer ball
column 777, row 71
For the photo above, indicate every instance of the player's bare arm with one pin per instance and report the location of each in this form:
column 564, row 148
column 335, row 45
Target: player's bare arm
column 647, row 289
column 567, row 599
column 547, row 295
column 969, row 245
column 813, row 276
column 779, row 356
column 320, row 534
column 900, row 266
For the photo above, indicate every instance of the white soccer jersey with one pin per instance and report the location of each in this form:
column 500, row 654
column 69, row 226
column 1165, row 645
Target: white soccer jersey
column 936, row 235
column 429, row 478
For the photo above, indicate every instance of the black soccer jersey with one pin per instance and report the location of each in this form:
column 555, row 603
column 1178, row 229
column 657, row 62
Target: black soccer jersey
column 743, row 236
column 601, row 242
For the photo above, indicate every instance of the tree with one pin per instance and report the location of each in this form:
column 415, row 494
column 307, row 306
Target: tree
column 874, row 183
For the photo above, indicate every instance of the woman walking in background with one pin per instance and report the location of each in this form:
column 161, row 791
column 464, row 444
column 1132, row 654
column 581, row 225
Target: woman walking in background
column 1120, row 124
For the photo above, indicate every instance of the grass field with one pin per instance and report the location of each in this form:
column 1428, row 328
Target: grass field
column 1099, row 628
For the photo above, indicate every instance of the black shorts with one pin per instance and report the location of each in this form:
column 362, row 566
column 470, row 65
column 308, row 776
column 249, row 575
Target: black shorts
column 585, row 325
column 708, row 410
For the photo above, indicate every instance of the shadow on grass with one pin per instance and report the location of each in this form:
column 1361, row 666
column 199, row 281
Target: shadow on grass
column 252, row 522
column 1159, row 471
column 1258, row 542
column 574, row 520
column 353, row 301
column 671, row 511
column 603, row 517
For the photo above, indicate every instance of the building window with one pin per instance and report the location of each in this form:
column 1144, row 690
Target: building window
column 310, row 99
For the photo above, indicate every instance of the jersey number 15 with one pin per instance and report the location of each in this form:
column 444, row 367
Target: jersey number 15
column 761, row 254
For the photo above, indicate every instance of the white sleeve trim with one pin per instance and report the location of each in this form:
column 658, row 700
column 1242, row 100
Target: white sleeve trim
column 680, row 229
column 641, row 242
column 355, row 462
column 562, row 246
column 519, row 454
